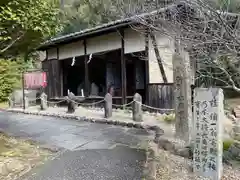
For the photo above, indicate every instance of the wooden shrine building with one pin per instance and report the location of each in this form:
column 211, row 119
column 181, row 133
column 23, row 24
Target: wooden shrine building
column 114, row 54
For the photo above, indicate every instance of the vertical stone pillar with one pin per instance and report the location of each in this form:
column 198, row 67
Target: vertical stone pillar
column 71, row 103
column 108, row 106
column 43, row 98
column 208, row 131
column 10, row 101
column 182, row 95
column 26, row 102
column 137, row 107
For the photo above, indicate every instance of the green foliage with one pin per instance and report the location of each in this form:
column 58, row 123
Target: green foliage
column 169, row 118
column 227, row 144
column 81, row 14
column 26, row 23
column 10, row 77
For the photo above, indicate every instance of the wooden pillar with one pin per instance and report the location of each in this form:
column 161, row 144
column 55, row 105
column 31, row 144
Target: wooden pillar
column 45, row 69
column 147, row 66
column 60, row 66
column 123, row 70
column 135, row 64
column 23, row 91
column 86, row 79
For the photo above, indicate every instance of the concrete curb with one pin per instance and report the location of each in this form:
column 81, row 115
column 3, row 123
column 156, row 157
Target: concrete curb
column 158, row 131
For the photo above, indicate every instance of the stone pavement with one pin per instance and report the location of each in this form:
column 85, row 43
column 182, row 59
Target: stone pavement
column 89, row 151
column 149, row 119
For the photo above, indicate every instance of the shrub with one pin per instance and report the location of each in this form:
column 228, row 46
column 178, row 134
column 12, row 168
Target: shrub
column 169, row 118
column 227, row 144
column 10, row 78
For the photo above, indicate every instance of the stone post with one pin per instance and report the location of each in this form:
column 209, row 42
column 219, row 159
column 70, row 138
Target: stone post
column 26, row 102
column 43, row 98
column 137, row 107
column 208, row 131
column 10, row 102
column 108, row 106
column 182, row 95
column 71, row 103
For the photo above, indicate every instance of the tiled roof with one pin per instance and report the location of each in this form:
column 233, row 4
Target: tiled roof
column 96, row 29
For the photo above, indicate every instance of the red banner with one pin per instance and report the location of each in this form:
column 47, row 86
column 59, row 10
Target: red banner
column 35, row 79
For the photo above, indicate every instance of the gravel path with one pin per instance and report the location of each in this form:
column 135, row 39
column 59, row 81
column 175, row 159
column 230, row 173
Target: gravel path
column 89, row 151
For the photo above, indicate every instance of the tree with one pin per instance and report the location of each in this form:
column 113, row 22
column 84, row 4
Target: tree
column 26, row 23
column 10, row 77
column 81, row 14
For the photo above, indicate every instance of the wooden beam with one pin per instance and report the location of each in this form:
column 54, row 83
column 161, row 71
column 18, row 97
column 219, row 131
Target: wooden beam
column 155, row 46
column 86, row 76
column 46, row 55
column 123, row 70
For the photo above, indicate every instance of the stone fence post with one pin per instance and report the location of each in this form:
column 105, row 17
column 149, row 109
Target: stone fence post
column 10, row 102
column 43, row 98
column 71, row 103
column 108, row 105
column 26, row 102
column 137, row 107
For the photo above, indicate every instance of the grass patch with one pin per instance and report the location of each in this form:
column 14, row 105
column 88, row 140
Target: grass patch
column 19, row 156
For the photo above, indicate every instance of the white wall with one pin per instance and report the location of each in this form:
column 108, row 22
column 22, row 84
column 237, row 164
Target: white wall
column 134, row 41
column 71, row 50
column 103, row 43
column 166, row 50
column 52, row 53
column 42, row 55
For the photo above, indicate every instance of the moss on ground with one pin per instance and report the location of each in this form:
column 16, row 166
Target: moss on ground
column 17, row 157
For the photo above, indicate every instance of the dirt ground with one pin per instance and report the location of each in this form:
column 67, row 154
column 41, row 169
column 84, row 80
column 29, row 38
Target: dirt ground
column 18, row 157
column 233, row 102
column 172, row 167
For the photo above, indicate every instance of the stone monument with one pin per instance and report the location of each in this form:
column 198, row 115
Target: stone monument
column 208, row 131
column 182, row 95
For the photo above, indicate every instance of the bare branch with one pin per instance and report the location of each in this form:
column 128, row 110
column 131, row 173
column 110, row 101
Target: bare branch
column 11, row 44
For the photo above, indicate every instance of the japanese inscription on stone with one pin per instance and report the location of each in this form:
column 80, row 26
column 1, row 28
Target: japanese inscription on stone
column 208, row 111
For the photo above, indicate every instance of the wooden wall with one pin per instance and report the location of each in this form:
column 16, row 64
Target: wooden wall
column 161, row 95
column 54, row 78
